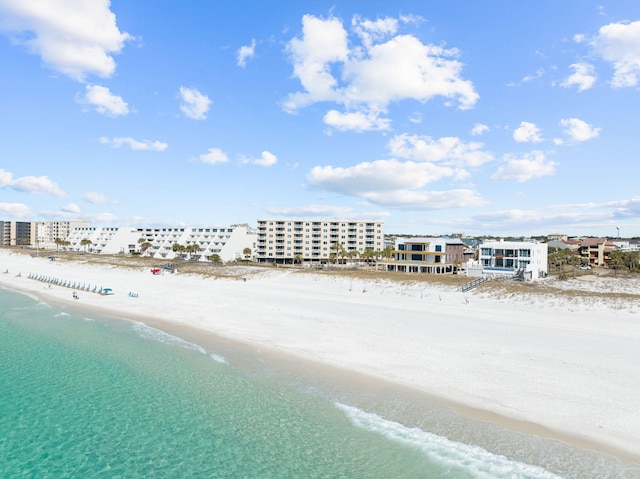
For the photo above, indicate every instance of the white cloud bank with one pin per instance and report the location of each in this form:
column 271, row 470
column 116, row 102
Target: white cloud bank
column 136, row 145
column 366, row 78
column 393, row 183
column 195, row 105
column 74, row 37
column 30, row 184
column 401, row 182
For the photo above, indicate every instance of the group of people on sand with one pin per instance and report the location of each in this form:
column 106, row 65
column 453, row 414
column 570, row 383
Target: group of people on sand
column 75, row 295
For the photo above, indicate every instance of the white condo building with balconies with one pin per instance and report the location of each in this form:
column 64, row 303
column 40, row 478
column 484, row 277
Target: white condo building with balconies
column 285, row 241
column 228, row 242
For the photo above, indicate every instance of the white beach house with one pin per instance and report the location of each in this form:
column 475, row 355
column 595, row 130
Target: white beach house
column 427, row 255
column 526, row 260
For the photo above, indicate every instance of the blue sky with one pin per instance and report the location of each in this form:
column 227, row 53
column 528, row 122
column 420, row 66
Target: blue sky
column 500, row 117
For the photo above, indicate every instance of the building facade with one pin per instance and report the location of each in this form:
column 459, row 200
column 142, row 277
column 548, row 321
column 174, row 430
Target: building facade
column 48, row 231
column 17, row 233
column 288, row 241
column 596, row 251
column 428, row 255
column 524, row 259
column 228, row 242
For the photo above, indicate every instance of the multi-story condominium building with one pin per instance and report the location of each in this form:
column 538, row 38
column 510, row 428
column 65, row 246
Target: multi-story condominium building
column 428, row 255
column 524, row 259
column 17, row 233
column 228, row 242
column 288, row 241
column 596, row 250
column 48, row 231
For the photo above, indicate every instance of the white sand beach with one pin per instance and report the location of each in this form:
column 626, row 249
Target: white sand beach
column 569, row 365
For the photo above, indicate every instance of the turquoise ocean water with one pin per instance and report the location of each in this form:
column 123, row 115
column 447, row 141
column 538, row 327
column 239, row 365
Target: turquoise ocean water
column 82, row 398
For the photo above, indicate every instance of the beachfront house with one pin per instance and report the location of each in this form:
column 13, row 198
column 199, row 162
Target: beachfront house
column 283, row 241
column 526, row 260
column 427, row 255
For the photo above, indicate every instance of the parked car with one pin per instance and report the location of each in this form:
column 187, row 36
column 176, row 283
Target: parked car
column 585, row 266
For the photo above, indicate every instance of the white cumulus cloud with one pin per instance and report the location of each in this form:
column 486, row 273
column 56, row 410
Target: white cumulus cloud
column 478, row 129
column 71, row 208
column 364, row 79
column 74, row 37
column 426, row 200
column 380, row 175
column 118, row 141
column 266, row 159
column 529, row 166
column 30, row 184
column 619, row 44
column 15, row 210
column 214, row 156
column 583, row 76
column 527, row 132
column 394, row 184
column 246, row 51
column 195, row 105
column 357, row 121
column 579, row 130
column 451, row 151
column 103, row 101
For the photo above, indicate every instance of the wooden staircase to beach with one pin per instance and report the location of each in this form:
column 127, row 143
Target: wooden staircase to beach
column 472, row 284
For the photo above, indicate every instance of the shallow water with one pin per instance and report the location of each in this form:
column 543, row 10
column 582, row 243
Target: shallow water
column 86, row 398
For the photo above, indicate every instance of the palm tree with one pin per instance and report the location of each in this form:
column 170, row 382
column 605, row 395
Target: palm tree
column 215, row 258
column 144, row 246
column 178, row 249
column 368, row 254
column 337, row 247
column 388, row 251
column 192, row 249
column 85, row 242
column 297, row 259
column 343, row 254
column 58, row 242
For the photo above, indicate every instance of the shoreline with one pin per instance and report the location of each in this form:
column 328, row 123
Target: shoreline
column 318, row 368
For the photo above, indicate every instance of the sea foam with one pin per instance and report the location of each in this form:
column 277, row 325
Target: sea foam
column 154, row 334
column 477, row 461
